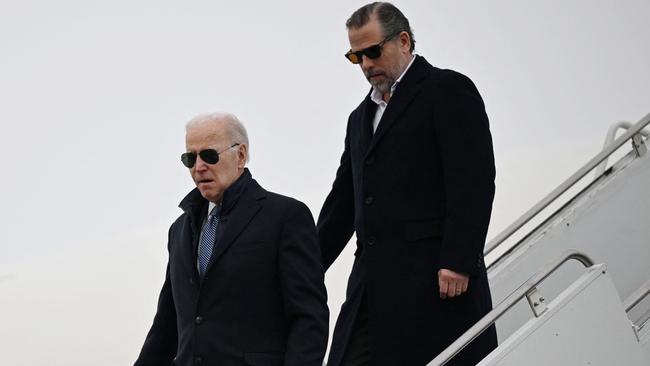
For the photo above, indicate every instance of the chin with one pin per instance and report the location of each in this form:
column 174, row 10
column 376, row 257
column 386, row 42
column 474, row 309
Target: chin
column 207, row 194
column 382, row 86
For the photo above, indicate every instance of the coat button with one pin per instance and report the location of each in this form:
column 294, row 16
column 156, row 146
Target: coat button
column 198, row 320
column 198, row 361
column 371, row 241
column 370, row 160
column 369, row 200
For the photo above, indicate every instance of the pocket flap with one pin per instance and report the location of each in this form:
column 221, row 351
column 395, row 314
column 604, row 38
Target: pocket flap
column 422, row 229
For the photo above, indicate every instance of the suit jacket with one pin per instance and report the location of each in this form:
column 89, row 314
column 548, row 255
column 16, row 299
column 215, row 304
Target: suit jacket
column 262, row 300
column 418, row 193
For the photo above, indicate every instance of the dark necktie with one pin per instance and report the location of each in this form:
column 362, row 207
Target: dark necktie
column 208, row 237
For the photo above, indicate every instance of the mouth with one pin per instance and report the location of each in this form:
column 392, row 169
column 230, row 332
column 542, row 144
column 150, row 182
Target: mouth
column 204, row 181
column 374, row 74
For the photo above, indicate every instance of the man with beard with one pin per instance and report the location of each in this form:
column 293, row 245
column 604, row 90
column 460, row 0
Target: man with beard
column 416, row 184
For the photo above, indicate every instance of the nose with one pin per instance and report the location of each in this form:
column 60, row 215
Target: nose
column 366, row 62
column 200, row 165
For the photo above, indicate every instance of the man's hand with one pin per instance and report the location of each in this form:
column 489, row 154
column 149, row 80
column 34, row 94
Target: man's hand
column 452, row 283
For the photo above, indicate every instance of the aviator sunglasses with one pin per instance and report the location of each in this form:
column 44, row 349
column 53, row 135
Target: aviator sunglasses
column 209, row 156
column 371, row 52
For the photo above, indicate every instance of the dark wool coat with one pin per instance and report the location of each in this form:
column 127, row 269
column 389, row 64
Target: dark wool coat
column 418, row 193
column 262, row 301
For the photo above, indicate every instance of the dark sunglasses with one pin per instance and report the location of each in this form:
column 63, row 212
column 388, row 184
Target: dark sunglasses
column 210, row 156
column 371, row 52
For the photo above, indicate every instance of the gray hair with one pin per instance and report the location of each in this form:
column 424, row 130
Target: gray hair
column 391, row 19
column 234, row 127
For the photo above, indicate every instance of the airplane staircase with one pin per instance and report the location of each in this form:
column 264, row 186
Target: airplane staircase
column 590, row 314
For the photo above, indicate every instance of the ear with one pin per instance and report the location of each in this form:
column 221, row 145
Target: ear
column 242, row 155
column 405, row 41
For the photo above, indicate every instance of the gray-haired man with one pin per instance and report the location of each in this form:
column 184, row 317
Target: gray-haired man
column 244, row 282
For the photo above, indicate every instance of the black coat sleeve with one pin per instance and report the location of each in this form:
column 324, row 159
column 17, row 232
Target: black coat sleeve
column 463, row 136
column 336, row 218
column 159, row 347
column 303, row 289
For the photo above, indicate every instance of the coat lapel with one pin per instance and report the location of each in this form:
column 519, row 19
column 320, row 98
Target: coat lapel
column 192, row 250
column 195, row 208
column 407, row 89
column 249, row 204
column 368, row 113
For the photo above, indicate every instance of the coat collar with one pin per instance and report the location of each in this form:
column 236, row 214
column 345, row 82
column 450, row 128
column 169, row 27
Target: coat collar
column 237, row 219
column 194, row 204
column 407, row 89
column 242, row 201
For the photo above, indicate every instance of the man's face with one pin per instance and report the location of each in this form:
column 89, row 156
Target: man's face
column 213, row 179
column 384, row 70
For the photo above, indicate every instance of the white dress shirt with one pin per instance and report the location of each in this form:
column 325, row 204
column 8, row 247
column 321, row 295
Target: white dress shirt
column 377, row 97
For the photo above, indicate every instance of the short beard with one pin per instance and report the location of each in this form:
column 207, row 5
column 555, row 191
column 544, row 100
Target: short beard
column 383, row 86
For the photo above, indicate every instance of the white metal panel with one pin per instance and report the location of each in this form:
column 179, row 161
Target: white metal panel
column 585, row 325
column 644, row 339
column 610, row 221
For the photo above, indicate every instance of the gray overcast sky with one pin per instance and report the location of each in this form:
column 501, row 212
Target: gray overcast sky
column 94, row 97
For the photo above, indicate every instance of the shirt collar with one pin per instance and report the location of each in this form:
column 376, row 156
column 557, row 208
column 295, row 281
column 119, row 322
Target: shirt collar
column 377, row 97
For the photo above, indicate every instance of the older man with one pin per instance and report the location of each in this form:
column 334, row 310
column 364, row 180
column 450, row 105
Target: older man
column 416, row 183
column 244, row 283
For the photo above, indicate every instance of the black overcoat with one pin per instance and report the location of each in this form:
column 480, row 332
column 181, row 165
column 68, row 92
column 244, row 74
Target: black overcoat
column 418, row 193
column 262, row 301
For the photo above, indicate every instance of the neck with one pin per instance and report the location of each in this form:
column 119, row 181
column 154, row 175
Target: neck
column 217, row 201
column 387, row 95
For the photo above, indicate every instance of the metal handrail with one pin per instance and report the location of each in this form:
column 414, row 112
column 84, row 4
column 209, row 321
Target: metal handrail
column 566, row 185
column 637, row 296
column 523, row 291
column 611, row 135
